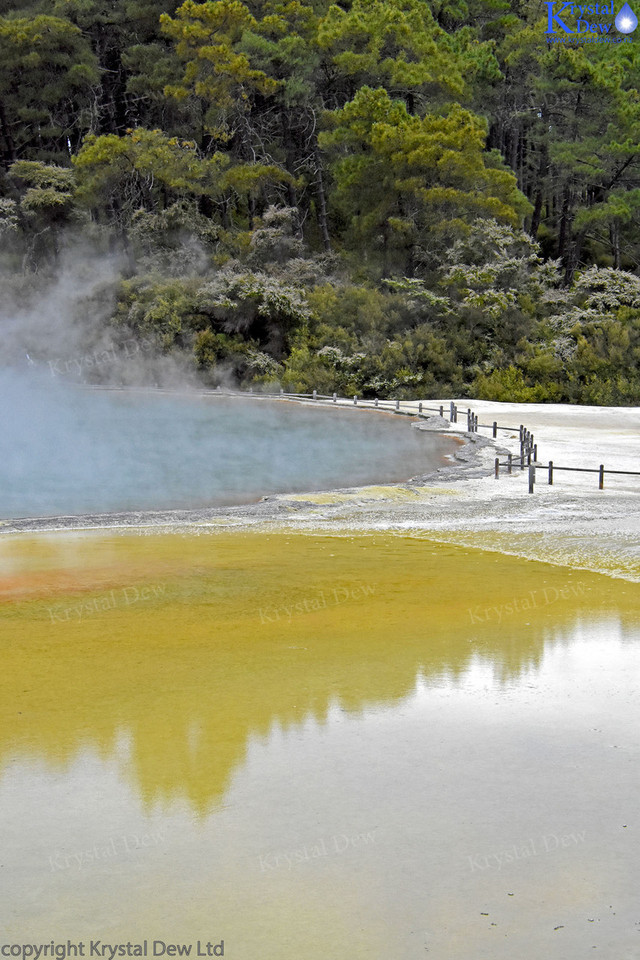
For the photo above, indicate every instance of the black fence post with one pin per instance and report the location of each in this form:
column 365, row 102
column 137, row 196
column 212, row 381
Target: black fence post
column 550, row 473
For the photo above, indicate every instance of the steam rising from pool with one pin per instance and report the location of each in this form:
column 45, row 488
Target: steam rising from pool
column 67, row 449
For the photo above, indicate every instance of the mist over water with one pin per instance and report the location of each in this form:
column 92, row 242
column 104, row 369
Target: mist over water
column 69, row 449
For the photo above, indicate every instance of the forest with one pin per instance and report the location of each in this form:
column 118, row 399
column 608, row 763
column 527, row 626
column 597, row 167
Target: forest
column 409, row 198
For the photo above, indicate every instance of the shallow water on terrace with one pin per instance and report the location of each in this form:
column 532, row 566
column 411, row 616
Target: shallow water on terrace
column 70, row 450
column 308, row 747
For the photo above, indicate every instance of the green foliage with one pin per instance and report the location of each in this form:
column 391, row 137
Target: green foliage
column 9, row 219
column 143, row 170
column 207, row 37
column 47, row 76
column 409, row 183
column 508, row 385
column 567, row 119
column 394, row 44
column 46, row 206
column 396, row 197
column 257, row 306
column 275, row 239
column 221, row 358
column 163, row 311
column 205, row 314
column 169, row 235
column 363, row 313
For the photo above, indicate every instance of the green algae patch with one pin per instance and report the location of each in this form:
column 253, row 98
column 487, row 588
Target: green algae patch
column 395, row 493
column 233, row 631
column 262, row 737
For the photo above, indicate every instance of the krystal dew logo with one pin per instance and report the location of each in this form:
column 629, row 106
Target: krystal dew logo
column 571, row 18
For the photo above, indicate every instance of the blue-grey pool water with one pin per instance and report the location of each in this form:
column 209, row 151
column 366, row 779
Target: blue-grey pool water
column 66, row 449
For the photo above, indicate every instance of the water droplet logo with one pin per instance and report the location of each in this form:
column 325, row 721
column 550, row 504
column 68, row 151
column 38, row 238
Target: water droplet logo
column 626, row 21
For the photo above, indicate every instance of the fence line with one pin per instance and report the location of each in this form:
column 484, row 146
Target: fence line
column 377, row 403
column 528, row 456
column 552, row 467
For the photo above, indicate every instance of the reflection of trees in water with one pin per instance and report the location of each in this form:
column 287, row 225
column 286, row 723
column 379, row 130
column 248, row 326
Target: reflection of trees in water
column 226, row 652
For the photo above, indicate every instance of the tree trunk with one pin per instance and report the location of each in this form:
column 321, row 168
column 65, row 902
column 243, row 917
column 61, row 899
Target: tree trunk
column 226, row 221
column 512, row 150
column 321, row 206
column 543, row 169
column 614, row 235
column 9, row 153
column 572, row 259
column 565, row 226
column 537, row 214
column 385, row 249
column 205, row 206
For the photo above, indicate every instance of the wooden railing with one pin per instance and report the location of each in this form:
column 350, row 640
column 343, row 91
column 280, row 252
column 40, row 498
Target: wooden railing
column 552, row 467
column 528, row 456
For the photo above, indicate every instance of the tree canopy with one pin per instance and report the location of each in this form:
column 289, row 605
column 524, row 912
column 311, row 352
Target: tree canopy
column 417, row 195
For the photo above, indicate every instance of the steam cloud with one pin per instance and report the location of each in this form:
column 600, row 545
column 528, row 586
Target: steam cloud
column 69, row 447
